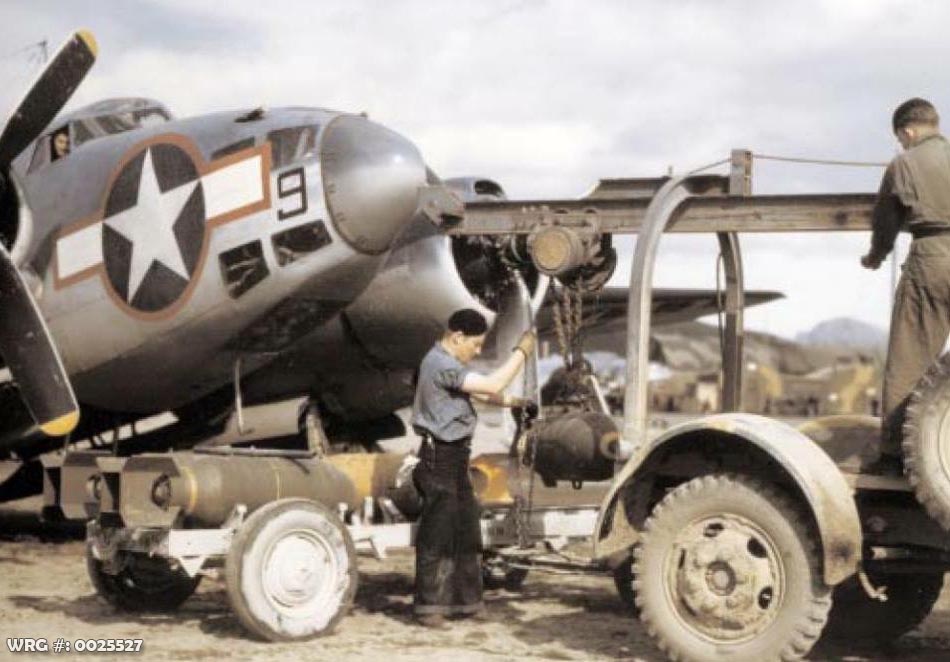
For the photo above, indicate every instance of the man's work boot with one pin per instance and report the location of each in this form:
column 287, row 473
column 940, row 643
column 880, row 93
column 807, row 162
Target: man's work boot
column 433, row 621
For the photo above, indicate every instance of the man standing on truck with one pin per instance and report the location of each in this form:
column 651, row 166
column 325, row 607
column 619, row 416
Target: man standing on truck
column 914, row 196
column 448, row 541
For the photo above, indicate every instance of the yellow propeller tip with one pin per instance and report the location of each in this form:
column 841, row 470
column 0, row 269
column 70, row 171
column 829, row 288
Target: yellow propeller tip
column 90, row 40
column 61, row 426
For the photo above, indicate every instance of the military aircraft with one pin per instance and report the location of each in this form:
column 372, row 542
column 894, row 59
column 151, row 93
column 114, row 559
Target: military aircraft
column 153, row 264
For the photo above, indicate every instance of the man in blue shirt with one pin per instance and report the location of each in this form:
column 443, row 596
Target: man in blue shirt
column 448, row 541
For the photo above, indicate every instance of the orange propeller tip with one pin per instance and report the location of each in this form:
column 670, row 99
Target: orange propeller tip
column 90, row 40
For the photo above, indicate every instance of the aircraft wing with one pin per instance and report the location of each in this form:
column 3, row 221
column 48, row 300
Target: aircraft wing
column 605, row 311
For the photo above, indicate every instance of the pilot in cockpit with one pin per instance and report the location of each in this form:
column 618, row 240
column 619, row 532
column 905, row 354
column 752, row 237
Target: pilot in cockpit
column 59, row 144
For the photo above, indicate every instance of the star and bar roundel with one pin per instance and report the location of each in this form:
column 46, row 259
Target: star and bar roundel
column 150, row 238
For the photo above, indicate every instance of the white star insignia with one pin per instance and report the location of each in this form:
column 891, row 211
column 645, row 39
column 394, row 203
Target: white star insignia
column 149, row 225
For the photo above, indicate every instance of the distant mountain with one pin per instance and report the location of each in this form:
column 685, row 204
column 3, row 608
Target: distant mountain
column 845, row 332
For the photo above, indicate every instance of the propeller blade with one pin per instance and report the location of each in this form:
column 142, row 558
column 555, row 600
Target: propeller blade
column 49, row 93
column 28, row 349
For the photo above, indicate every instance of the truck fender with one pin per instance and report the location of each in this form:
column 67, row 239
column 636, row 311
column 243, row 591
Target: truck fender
column 806, row 465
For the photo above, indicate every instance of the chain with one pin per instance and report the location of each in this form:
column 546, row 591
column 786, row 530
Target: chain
column 568, row 321
column 522, row 438
column 524, row 506
column 534, row 457
column 562, row 321
column 578, row 321
column 520, row 524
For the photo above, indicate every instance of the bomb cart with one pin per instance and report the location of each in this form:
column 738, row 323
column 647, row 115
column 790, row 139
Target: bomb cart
column 731, row 536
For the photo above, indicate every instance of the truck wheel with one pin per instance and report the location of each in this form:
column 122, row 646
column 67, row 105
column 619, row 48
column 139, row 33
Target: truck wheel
column 856, row 617
column 623, row 581
column 143, row 584
column 926, row 441
column 726, row 569
column 291, row 570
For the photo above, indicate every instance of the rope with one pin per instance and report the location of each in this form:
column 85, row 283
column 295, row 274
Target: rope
column 793, row 159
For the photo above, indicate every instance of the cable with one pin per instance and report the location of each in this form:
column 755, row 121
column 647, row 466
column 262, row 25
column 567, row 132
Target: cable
column 792, row 159
column 708, row 166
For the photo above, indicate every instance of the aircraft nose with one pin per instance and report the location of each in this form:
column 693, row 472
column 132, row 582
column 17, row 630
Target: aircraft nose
column 371, row 180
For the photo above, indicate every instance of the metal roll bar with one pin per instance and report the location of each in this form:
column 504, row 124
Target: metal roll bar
column 660, row 213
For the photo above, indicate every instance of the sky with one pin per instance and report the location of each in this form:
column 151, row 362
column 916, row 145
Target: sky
column 546, row 97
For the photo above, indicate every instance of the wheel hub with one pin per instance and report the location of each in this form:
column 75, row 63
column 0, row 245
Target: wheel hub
column 721, row 578
column 299, row 571
column 726, row 576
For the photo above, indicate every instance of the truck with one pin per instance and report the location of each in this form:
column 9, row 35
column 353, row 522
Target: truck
column 730, row 536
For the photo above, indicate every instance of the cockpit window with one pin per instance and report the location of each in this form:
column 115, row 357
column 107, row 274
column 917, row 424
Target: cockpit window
column 83, row 134
column 106, row 125
column 292, row 144
column 41, row 154
column 66, row 138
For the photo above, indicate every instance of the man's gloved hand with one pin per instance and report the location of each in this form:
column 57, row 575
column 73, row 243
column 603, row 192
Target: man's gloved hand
column 871, row 262
column 526, row 343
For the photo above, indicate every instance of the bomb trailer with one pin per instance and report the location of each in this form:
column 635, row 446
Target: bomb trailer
column 732, row 536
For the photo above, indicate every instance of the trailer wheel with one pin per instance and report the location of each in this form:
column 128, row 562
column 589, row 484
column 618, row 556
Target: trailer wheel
column 291, row 571
column 926, row 441
column 726, row 569
column 856, row 617
column 143, row 584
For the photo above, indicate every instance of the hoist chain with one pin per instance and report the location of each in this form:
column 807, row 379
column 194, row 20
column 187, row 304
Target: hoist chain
column 568, row 320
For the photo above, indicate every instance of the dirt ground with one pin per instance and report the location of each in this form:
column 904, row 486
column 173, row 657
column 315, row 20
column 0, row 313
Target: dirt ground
column 44, row 592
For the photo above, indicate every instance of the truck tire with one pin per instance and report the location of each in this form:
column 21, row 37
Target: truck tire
column 291, row 571
column 623, row 582
column 726, row 569
column 926, row 441
column 144, row 584
column 856, row 617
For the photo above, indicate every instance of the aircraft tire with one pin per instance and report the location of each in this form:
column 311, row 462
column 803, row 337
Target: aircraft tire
column 727, row 569
column 926, row 441
column 144, row 585
column 855, row 617
column 291, row 571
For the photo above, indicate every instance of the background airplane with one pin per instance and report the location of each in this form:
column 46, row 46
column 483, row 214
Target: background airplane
column 154, row 264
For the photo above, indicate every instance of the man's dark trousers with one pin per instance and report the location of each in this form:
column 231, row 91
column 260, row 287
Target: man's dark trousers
column 448, row 541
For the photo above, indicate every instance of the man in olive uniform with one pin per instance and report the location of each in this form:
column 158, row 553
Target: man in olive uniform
column 448, row 541
column 914, row 196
